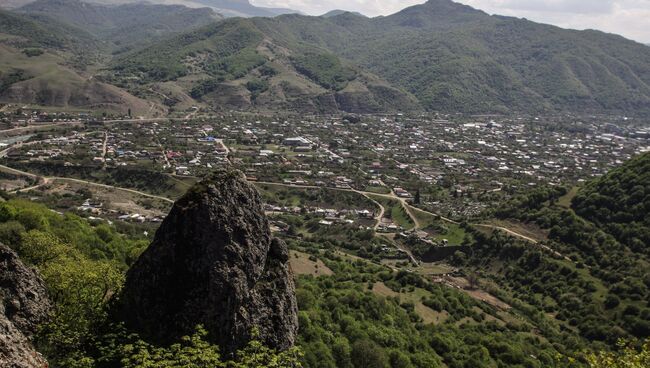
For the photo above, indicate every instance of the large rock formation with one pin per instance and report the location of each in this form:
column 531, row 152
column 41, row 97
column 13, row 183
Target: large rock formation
column 213, row 262
column 23, row 306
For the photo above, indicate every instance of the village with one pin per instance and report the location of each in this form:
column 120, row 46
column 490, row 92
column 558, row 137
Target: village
column 454, row 167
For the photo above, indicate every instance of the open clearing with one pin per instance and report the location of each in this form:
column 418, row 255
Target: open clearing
column 302, row 265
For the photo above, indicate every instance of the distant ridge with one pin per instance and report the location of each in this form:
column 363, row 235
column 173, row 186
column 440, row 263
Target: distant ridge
column 440, row 56
column 125, row 24
column 336, row 12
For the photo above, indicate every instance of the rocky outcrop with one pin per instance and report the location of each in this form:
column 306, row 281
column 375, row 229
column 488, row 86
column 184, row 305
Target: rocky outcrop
column 213, row 262
column 23, row 306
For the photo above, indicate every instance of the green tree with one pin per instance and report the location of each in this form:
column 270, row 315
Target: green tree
column 626, row 357
column 367, row 354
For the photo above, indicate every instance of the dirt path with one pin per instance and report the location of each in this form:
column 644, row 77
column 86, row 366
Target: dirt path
column 48, row 179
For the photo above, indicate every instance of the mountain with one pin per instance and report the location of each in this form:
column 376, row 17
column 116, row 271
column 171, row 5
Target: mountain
column 452, row 58
column 455, row 58
column 242, row 8
column 123, row 25
column 230, row 8
column 334, row 13
column 246, row 63
column 42, row 61
column 439, row 56
column 214, row 262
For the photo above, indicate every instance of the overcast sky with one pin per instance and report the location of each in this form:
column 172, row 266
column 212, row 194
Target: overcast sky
column 630, row 18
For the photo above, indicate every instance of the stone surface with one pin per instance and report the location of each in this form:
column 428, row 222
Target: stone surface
column 213, row 262
column 24, row 305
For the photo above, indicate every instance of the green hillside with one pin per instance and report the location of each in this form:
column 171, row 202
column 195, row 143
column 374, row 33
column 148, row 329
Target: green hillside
column 455, row 58
column 236, row 63
column 596, row 279
column 31, row 31
column 440, row 56
column 42, row 63
column 620, row 203
column 123, row 25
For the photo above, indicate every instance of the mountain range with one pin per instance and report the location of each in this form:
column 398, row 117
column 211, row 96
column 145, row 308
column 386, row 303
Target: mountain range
column 438, row 56
column 229, row 8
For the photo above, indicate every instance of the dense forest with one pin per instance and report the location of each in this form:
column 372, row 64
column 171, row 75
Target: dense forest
column 594, row 272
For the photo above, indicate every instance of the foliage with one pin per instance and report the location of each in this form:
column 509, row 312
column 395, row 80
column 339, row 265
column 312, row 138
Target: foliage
column 627, row 357
column 345, row 324
column 324, row 68
column 601, row 285
column 619, row 202
column 195, row 352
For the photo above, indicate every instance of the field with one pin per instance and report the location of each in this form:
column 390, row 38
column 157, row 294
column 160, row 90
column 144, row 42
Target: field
column 301, row 264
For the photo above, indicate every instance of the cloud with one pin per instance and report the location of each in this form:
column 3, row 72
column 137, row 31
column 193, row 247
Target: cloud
column 630, row 18
column 548, row 6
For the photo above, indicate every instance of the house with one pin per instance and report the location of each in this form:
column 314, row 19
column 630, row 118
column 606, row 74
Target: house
column 296, row 142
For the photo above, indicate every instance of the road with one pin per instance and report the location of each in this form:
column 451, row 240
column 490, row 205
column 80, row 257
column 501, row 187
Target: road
column 407, row 207
column 47, row 179
column 30, row 128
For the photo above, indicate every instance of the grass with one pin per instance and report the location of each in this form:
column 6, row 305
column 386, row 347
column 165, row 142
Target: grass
column 400, row 217
column 302, row 265
column 565, row 200
column 425, row 219
column 394, row 211
column 455, row 234
column 377, row 189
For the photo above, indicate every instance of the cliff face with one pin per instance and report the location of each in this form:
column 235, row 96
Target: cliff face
column 23, row 306
column 213, row 262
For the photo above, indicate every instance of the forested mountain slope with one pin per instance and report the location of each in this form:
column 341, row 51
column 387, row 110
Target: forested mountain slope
column 620, row 203
column 455, row 58
column 440, row 56
column 597, row 277
column 238, row 64
column 123, row 25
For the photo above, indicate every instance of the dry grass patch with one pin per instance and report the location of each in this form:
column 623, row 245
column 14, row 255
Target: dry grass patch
column 302, row 265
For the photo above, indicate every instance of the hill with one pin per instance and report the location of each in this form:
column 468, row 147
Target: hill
column 455, row 58
column 245, row 63
column 597, row 251
column 242, row 8
column 620, row 203
column 42, row 63
column 440, row 56
column 123, row 25
column 333, row 13
column 229, row 8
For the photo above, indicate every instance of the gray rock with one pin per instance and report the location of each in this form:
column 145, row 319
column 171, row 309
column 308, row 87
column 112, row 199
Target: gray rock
column 24, row 305
column 213, row 262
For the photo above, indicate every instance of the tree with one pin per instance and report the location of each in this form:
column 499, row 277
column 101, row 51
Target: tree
column 367, row 354
column 416, row 199
column 626, row 357
column 473, row 280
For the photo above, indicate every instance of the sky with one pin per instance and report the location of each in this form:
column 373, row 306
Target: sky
column 630, row 18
